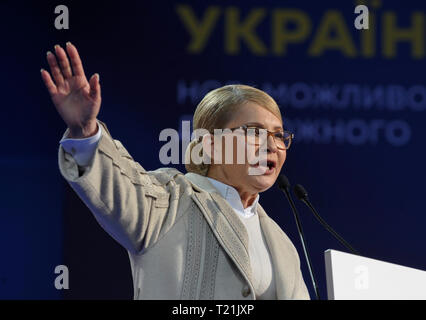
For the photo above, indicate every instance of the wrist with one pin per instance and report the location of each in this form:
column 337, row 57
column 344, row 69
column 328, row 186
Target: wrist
column 86, row 131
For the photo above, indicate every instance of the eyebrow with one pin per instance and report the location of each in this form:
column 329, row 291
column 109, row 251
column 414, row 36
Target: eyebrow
column 262, row 126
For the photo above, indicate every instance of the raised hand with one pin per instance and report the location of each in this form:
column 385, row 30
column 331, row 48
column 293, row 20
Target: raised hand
column 77, row 100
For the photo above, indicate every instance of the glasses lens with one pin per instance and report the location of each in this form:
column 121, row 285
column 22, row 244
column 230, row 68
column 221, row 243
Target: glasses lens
column 280, row 140
column 254, row 136
column 283, row 139
column 258, row 136
column 288, row 137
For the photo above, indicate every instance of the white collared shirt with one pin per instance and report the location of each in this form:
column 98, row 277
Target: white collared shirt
column 83, row 151
column 260, row 258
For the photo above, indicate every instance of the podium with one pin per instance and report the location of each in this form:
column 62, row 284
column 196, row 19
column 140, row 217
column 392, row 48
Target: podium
column 353, row 277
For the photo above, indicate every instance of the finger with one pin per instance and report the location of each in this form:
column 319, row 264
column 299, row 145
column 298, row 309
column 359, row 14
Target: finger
column 54, row 68
column 77, row 66
column 63, row 62
column 95, row 87
column 51, row 87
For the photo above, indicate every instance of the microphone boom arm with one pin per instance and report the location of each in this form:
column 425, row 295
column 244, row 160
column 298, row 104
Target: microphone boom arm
column 329, row 229
column 302, row 238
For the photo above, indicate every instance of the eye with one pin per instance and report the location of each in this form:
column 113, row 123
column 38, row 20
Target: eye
column 254, row 130
column 279, row 135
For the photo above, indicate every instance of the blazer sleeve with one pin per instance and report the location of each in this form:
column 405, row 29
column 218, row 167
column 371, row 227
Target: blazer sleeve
column 136, row 207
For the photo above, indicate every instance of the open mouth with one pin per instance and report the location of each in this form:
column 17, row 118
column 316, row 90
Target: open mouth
column 270, row 164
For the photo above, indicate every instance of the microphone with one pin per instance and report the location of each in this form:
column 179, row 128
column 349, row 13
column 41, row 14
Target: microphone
column 284, row 185
column 302, row 195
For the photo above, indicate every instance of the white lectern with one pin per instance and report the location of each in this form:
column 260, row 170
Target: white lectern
column 352, row 277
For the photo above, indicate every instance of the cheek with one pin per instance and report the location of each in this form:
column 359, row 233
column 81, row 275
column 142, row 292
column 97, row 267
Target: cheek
column 253, row 154
column 282, row 158
column 236, row 172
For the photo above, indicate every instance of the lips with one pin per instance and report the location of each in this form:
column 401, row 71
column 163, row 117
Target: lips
column 271, row 164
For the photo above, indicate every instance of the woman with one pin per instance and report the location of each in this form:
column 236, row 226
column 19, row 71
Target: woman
column 199, row 235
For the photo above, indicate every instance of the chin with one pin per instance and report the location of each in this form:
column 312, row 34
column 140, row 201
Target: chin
column 263, row 182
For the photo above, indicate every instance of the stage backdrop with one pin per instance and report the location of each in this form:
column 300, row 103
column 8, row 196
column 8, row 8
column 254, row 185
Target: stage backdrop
column 355, row 99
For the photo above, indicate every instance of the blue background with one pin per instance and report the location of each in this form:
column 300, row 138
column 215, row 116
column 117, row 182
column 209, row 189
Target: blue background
column 371, row 193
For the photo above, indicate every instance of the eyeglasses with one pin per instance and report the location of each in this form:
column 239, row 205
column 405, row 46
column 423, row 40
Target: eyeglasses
column 256, row 136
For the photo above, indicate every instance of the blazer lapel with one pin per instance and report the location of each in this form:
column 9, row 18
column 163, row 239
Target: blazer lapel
column 277, row 249
column 225, row 224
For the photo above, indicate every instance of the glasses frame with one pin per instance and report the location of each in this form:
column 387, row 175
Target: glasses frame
column 290, row 136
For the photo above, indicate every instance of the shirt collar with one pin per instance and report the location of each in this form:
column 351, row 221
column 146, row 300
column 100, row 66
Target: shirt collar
column 233, row 197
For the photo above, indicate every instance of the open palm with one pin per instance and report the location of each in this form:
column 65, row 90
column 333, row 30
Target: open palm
column 77, row 100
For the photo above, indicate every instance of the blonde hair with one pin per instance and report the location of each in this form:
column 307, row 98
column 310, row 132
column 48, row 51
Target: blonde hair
column 217, row 109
